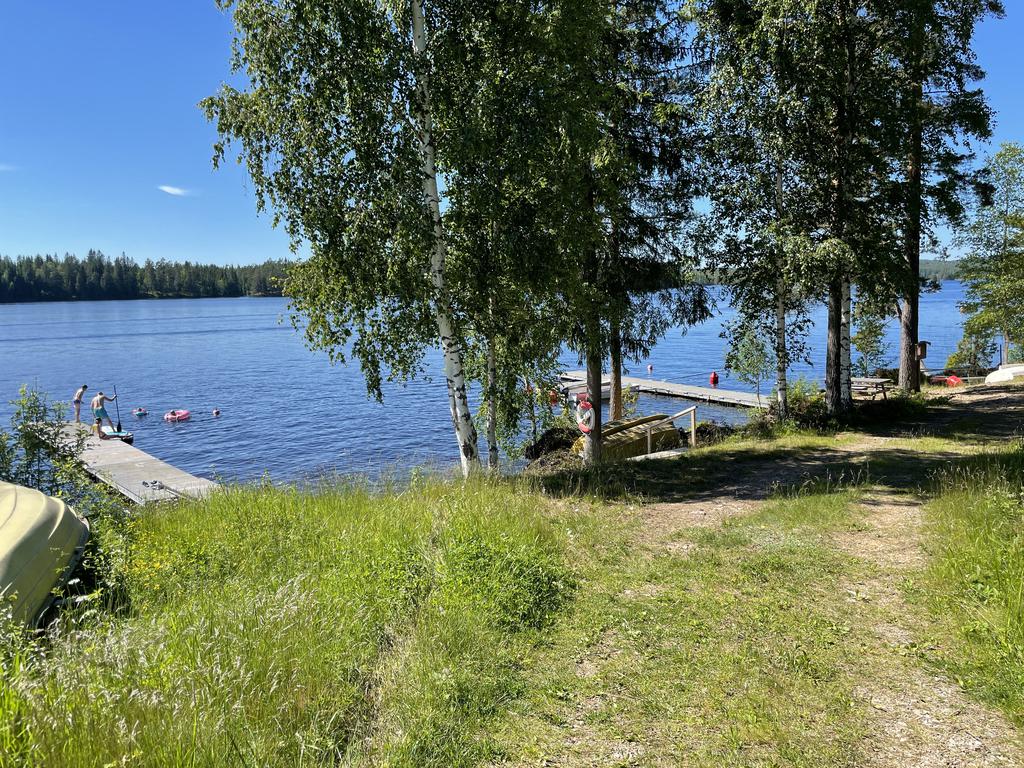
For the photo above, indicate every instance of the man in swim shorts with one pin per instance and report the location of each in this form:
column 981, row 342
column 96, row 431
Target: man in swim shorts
column 99, row 409
column 77, row 402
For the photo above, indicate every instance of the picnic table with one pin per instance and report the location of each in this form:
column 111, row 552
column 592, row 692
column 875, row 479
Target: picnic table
column 871, row 386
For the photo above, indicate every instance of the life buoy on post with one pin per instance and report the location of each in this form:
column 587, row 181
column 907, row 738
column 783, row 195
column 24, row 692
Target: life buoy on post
column 584, row 415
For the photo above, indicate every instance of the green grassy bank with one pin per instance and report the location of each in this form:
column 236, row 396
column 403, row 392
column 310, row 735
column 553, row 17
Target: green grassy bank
column 654, row 614
column 269, row 627
column 975, row 581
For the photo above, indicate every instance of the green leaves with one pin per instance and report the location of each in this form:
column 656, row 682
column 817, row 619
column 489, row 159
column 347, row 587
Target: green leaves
column 993, row 266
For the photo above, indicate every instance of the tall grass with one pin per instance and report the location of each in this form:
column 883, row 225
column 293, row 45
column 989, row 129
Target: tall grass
column 272, row 627
column 976, row 537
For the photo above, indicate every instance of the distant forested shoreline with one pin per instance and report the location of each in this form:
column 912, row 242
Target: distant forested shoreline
column 931, row 269
column 98, row 277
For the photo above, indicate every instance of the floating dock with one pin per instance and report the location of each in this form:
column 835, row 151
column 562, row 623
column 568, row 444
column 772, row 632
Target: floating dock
column 135, row 474
column 686, row 391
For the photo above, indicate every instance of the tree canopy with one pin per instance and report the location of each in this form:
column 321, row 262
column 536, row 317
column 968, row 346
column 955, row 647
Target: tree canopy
column 505, row 180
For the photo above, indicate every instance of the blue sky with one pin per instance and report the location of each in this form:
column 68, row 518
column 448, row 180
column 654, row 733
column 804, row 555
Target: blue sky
column 98, row 113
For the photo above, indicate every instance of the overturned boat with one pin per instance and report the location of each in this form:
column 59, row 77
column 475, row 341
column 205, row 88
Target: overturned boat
column 626, row 438
column 41, row 542
column 1005, row 373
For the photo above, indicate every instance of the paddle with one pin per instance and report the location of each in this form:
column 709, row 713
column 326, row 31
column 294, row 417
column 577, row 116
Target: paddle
column 118, row 406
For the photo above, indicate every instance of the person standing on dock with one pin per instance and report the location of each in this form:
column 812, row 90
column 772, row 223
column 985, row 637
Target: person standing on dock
column 77, row 402
column 99, row 409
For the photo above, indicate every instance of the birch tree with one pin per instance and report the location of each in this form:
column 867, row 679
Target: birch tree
column 336, row 130
column 763, row 148
column 504, row 257
column 800, row 89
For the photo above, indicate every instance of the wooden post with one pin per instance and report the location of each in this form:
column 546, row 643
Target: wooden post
column 693, row 428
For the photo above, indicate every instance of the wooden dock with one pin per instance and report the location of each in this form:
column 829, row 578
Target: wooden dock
column 686, row 391
column 135, row 474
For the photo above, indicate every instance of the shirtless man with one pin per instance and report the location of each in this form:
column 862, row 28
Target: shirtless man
column 77, row 402
column 99, row 409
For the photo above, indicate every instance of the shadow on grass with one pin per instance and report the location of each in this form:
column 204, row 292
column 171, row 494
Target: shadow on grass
column 990, row 416
column 980, row 415
column 751, row 473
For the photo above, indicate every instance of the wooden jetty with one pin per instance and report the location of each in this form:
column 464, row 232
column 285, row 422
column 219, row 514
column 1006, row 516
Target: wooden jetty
column 687, row 391
column 135, row 474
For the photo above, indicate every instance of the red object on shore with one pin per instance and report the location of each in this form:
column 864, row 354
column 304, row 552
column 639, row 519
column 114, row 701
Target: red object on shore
column 954, row 381
column 584, row 415
column 714, row 379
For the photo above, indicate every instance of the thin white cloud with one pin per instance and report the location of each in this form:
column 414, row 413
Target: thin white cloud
column 175, row 191
column 4, row 167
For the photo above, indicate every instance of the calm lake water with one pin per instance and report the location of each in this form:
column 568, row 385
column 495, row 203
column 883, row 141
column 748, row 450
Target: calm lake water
column 286, row 411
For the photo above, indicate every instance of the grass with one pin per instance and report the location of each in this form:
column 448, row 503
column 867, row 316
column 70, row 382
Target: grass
column 734, row 653
column 556, row 620
column 271, row 627
column 975, row 582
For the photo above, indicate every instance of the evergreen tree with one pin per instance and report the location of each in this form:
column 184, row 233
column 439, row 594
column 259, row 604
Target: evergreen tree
column 939, row 111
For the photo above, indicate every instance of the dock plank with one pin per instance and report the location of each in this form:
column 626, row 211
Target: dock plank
column 135, row 474
column 686, row 391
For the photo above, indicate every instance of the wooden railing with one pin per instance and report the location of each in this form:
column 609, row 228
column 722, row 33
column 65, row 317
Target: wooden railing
column 692, row 410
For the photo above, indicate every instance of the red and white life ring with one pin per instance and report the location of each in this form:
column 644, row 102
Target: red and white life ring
column 584, row 415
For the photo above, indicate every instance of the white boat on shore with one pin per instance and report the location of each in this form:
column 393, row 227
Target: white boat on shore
column 1005, row 373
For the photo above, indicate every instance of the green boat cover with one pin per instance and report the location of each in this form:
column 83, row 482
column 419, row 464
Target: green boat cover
column 41, row 540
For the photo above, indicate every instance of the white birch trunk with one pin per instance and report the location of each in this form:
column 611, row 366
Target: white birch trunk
column 781, row 353
column 845, row 366
column 492, row 408
column 462, row 417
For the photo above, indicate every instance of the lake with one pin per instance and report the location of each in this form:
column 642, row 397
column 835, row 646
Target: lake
column 286, row 411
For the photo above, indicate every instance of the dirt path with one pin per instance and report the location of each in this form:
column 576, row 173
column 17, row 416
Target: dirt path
column 915, row 717
column 920, row 718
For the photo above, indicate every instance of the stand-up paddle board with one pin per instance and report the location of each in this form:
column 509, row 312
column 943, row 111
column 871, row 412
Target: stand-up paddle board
column 113, row 434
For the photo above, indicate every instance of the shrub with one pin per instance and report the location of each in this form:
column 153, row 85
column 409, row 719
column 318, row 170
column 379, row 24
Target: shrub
column 273, row 627
column 806, row 412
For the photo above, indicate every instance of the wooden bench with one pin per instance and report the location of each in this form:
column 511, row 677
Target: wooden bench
column 870, row 386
